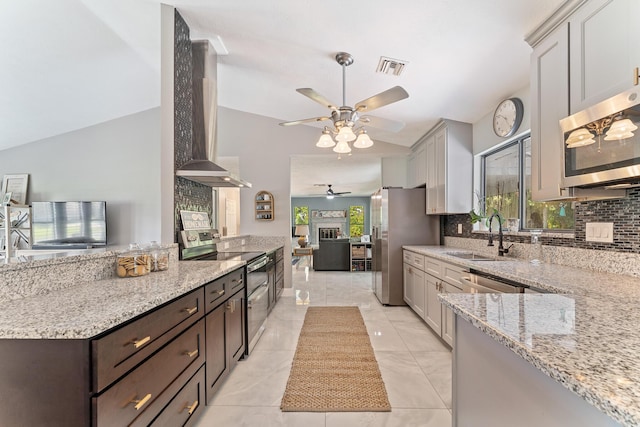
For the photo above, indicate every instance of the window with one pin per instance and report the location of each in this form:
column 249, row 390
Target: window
column 301, row 215
column 503, row 171
column 356, row 221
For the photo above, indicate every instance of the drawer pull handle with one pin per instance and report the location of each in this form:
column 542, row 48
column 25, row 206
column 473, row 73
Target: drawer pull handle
column 140, row 343
column 191, row 407
column 220, row 292
column 191, row 310
column 140, row 403
column 191, row 353
column 231, row 306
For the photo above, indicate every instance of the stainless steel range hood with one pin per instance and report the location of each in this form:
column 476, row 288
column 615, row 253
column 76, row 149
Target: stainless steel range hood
column 201, row 168
column 208, row 173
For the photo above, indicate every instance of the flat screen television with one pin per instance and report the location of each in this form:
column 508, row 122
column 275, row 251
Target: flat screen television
column 68, row 225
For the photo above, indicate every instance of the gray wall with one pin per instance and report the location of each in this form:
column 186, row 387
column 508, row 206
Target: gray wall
column 117, row 161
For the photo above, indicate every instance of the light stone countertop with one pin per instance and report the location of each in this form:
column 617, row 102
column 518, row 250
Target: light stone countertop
column 585, row 335
column 90, row 308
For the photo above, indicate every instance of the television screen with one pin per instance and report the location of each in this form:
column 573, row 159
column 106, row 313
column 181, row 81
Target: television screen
column 68, row 225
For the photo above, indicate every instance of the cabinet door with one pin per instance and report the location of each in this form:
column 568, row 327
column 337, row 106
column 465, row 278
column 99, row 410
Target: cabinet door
column 441, row 170
column 418, row 290
column 407, row 284
column 432, row 175
column 433, row 308
column 605, row 50
column 421, row 165
column 448, row 316
column 549, row 104
column 411, row 171
column 235, row 327
column 216, row 367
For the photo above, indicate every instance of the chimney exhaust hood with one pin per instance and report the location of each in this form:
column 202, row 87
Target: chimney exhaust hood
column 208, row 173
column 204, row 107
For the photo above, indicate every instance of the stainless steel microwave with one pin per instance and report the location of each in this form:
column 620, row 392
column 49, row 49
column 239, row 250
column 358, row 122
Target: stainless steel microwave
column 602, row 143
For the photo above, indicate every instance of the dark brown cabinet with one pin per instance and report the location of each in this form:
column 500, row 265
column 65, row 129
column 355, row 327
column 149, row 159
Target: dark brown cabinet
column 151, row 370
column 226, row 335
column 279, row 272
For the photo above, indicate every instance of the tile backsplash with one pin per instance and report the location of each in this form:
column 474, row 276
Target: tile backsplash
column 188, row 195
column 623, row 213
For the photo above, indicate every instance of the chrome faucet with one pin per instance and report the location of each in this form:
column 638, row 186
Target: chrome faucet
column 501, row 249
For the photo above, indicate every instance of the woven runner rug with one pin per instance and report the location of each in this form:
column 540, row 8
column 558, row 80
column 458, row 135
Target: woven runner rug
column 334, row 368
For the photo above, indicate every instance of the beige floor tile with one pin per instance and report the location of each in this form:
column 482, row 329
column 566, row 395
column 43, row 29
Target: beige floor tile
column 415, row 365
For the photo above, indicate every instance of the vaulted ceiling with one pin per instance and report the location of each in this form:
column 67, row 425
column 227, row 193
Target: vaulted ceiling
column 69, row 64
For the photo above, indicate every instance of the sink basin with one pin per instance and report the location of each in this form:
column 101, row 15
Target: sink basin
column 471, row 256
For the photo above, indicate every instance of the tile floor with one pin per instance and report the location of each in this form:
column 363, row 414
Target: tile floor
column 415, row 365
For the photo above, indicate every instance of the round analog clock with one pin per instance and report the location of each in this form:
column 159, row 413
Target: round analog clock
column 507, row 117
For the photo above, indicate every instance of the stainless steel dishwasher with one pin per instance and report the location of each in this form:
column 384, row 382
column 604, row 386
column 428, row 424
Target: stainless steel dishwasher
column 479, row 283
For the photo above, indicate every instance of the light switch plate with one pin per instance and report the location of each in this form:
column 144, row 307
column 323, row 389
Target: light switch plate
column 599, row 232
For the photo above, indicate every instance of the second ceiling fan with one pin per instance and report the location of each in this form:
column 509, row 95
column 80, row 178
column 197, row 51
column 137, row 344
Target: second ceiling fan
column 345, row 118
column 330, row 193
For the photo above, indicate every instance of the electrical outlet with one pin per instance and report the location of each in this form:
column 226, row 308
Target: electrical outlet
column 599, row 232
column 242, row 242
column 225, row 245
column 459, row 228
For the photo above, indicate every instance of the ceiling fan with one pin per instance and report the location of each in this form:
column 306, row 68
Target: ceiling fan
column 330, row 192
column 345, row 118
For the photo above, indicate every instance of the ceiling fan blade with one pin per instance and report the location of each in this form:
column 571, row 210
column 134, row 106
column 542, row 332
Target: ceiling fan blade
column 380, row 123
column 312, row 94
column 343, row 192
column 297, row 122
column 387, row 97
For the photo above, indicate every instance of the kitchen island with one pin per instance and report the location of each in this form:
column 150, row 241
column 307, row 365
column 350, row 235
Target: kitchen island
column 562, row 358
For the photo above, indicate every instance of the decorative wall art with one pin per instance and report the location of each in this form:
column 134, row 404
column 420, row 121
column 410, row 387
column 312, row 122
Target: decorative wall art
column 17, row 186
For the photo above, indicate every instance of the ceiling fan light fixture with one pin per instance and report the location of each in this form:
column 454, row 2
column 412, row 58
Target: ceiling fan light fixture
column 342, row 147
column 345, row 134
column 325, row 140
column 580, row 137
column 363, row 140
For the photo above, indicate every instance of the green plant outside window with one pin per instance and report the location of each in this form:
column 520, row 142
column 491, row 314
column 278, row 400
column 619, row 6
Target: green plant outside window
column 356, row 221
column 506, row 171
column 301, row 215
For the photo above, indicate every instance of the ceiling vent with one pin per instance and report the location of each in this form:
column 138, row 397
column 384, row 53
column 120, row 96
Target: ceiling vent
column 391, row 66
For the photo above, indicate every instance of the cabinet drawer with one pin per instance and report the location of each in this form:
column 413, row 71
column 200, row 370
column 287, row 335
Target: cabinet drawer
column 279, row 254
column 453, row 273
column 433, row 266
column 186, row 406
column 142, row 394
column 221, row 289
column 123, row 349
column 279, row 270
column 414, row 259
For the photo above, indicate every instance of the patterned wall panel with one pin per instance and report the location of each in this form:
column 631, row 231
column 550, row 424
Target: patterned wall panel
column 189, row 195
column 624, row 213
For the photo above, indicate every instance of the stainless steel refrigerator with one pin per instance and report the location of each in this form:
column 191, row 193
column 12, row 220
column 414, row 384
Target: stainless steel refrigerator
column 397, row 218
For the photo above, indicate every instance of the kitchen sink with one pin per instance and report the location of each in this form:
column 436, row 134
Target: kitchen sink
column 472, row 256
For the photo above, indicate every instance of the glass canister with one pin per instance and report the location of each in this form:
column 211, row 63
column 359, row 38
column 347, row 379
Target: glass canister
column 133, row 263
column 159, row 257
column 536, row 246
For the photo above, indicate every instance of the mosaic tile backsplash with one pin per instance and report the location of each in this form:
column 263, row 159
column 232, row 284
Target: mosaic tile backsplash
column 623, row 213
column 189, row 195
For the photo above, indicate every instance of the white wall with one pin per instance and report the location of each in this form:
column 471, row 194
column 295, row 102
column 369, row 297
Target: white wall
column 483, row 135
column 394, row 171
column 117, row 161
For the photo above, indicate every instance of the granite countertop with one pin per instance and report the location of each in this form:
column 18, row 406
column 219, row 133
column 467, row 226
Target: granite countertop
column 585, row 335
column 264, row 247
column 90, row 308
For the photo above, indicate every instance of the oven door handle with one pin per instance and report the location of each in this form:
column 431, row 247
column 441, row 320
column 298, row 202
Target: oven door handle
column 257, row 265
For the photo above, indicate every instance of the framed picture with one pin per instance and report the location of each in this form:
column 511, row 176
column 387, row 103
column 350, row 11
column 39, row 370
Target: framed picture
column 6, row 198
column 365, row 238
column 16, row 185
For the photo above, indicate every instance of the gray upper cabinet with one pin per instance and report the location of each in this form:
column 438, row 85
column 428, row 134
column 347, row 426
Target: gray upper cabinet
column 605, row 50
column 416, row 166
column 449, row 173
column 549, row 104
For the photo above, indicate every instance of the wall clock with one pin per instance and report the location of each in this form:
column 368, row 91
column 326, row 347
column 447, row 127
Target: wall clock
column 507, row 117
